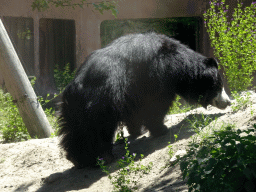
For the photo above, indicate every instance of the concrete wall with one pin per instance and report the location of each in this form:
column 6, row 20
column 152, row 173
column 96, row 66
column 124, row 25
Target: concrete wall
column 88, row 21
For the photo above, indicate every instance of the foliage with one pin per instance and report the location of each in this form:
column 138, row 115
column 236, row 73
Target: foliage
column 119, row 136
column 26, row 34
column 221, row 160
column 178, row 108
column 11, row 125
column 124, row 181
column 234, row 41
column 42, row 5
column 197, row 123
column 241, row 101
column 50, row 113
column 171, row 152
column 63, row 77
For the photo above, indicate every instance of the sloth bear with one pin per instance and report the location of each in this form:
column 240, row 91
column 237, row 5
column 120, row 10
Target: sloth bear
column 133, row 80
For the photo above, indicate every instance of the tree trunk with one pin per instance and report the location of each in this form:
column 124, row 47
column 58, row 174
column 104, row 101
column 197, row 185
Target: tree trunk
column 19, row 87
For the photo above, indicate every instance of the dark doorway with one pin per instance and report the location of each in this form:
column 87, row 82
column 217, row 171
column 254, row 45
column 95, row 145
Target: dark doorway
column 184, row 29
column 57, row 47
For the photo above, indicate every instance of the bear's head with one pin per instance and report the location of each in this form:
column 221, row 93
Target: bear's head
column 214, row 93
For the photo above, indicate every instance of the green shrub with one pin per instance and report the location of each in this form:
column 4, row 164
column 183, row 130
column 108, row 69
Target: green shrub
column 242, row 102
column 171, row 152
column 119, row 136
column 12, row 127
column 50, row 113
column 11, row 124
column 124, row 180
column 177, row 107
column 234, row 41
column 197, row 122
column 63, row 77
column 223, row 162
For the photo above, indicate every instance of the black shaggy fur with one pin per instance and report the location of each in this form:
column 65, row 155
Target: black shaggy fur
column 133, row 80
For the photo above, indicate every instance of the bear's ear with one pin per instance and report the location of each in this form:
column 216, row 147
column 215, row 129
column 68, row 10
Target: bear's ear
column 211, row 62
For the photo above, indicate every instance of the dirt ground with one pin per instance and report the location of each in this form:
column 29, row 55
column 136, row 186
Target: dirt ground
column 39, row 164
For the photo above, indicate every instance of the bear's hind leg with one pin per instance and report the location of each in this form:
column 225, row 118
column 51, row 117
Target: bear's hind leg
column 134, row 126
column 156, row 127
column 154, row 121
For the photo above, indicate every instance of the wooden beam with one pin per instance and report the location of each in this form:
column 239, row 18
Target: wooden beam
column 18, row 85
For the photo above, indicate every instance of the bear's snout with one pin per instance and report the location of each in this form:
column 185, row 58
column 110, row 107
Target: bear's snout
column 222, row 100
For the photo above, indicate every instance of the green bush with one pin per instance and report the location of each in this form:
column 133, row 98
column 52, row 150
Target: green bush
column 197, row 123
column 63, row 77
column 124, row 180
column 11, row 125
column 242, row 102
column 177, row 107
column 234, row 41
column 223, row 162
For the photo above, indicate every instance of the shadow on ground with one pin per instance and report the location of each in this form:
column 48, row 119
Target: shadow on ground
column 77, row 179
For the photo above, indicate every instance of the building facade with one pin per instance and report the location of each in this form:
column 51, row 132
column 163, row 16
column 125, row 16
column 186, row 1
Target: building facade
column 59, row 36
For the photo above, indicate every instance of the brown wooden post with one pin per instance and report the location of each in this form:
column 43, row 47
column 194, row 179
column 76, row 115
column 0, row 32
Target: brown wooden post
column 19, row 87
